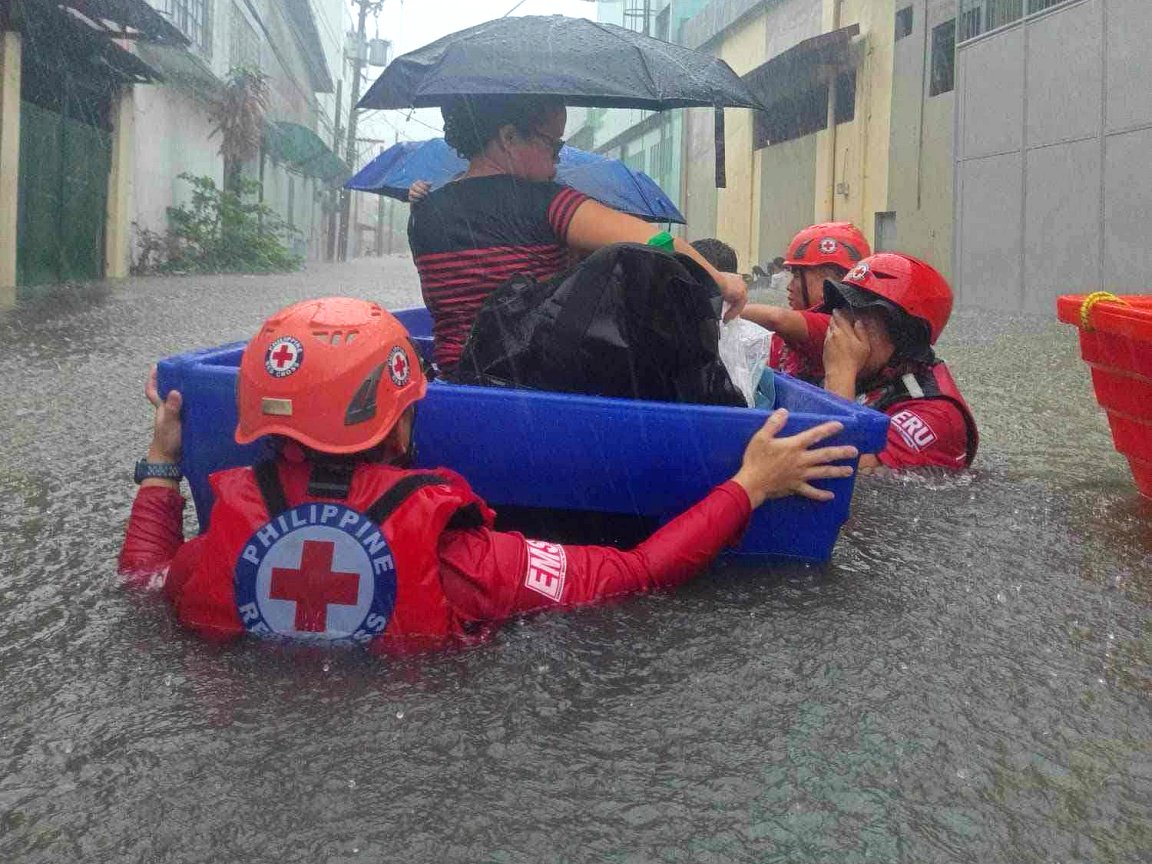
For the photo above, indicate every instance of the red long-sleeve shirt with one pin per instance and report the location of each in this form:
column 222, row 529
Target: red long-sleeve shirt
column 486, row 574
column 923, row 432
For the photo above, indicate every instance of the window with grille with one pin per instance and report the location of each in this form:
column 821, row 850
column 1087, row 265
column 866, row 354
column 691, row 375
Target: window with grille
column 943, row 58
column 660, row 159
column 635, row 161
column 638, row 15
column 971, row 22
column 243, row 42
column 980, row 16
column 191, row 18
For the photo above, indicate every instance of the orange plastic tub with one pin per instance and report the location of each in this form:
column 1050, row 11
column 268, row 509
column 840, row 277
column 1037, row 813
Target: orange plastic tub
column 1116, row 343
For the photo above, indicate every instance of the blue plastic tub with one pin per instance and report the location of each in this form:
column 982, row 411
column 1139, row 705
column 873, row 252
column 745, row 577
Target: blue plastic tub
column 551, row 450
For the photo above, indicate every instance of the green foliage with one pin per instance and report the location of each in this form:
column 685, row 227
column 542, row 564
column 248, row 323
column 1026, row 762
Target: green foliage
column 238, row 118
column 221, row 231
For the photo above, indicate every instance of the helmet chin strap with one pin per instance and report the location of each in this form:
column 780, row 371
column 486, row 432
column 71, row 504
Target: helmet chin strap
column 804, row 288
column 407, row 458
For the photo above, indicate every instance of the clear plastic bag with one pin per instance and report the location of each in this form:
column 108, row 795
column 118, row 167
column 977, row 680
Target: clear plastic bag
column 744, row 350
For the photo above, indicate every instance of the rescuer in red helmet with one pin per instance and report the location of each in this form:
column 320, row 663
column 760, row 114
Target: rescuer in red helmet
column 337, row 539
column 887, row 313
column 815, row 255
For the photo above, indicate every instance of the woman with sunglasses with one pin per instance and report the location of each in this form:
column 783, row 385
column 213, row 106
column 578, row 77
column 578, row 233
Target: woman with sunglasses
column 507, row 216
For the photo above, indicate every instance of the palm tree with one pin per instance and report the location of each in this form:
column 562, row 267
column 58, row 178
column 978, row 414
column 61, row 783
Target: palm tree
column 239, row 120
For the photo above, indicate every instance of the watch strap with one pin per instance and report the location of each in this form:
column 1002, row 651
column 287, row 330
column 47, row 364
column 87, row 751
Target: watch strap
column 146, row 470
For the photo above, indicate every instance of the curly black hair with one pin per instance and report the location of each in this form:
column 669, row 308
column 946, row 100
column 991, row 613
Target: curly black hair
column 470, row 122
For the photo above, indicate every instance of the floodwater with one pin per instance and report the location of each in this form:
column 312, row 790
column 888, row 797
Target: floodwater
column 969, row 680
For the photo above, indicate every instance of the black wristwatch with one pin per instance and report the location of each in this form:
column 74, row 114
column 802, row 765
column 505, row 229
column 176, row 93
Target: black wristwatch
column 160, row 470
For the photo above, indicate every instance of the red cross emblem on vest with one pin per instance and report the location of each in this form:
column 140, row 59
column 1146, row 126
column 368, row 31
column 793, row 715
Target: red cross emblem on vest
column 316, row 571
column 314, row 586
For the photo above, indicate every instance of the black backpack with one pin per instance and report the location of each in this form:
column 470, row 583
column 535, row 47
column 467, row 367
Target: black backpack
column 630, row 320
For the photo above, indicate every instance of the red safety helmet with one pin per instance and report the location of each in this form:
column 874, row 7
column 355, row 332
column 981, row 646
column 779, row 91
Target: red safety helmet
column 840, row 243
column 333, row 374
column 891, row 280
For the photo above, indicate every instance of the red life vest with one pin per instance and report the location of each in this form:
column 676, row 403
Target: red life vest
column 784, row 358
column 928, row 381
column 293, row 550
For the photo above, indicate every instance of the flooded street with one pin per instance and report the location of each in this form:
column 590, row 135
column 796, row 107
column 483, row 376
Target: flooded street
column 968, row 681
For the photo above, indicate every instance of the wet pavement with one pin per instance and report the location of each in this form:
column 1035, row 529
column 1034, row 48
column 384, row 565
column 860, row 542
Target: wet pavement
column 969, row 680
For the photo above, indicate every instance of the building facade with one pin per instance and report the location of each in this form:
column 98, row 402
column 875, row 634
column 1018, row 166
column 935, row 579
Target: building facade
column 64, row 140
column 646, row 141
column 298, row 45
column 104, row 103
column 1054, row 132
column 858, row 126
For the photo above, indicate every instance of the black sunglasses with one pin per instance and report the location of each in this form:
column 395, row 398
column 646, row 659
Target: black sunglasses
column 556, row 143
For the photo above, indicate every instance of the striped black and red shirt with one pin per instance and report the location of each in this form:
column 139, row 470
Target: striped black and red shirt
column 470, row 236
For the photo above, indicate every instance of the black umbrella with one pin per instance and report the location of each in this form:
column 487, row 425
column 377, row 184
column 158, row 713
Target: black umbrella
column 580, row 61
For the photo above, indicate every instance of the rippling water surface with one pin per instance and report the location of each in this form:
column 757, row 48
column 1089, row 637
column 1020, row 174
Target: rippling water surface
column 969, row 680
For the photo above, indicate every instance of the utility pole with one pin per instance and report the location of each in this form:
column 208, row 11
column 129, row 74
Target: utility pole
column 364, row 7
column 380, row 226
column 333, row 215
column 392, row 206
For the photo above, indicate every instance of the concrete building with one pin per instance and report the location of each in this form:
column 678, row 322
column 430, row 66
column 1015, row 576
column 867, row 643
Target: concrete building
column 298, row 45
column 65, row 142
column 920, row 175
column 646, row 141
column 857, row 129
column 1054, row 136
column 103, row 103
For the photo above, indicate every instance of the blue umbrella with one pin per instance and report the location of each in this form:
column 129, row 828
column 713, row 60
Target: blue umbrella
column 609, row 181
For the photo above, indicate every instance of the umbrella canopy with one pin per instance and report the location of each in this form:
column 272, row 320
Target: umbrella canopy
column 579, row 61
column 609, row 181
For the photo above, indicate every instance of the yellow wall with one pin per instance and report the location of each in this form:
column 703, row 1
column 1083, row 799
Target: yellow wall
column 852, row 160
column 9, row 161
column 842, row 174
column 117, row 253
column 920, row 184
column 698, row 186
column 743, row 48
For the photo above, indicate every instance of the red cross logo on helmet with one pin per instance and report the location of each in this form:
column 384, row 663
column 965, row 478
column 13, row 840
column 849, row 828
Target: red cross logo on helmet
column 858, row 273
column 398, row 366
column 283, row 357
column 828, row 246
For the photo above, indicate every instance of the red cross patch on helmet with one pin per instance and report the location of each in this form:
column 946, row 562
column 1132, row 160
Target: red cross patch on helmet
column 283, row 357
column 337, row 401
column 399, row 367
column 839, row 243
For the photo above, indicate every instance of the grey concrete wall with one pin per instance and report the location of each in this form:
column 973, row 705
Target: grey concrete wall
column 787, row 181
column 921, row 157
column 1054, row 156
